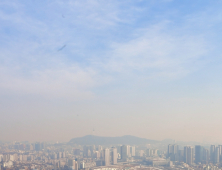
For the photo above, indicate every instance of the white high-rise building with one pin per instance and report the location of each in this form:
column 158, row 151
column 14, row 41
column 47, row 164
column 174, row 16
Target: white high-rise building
column 188, row 155
column 106, row 157
column 82, row 165
column 133, row 151
column 114, row 156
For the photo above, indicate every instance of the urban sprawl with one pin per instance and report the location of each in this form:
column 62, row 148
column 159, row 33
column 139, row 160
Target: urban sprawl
column 66, row 156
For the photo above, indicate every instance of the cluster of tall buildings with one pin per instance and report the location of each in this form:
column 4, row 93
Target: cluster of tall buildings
column 197, row 155
column 216, row 153
column 27, row 156
column 127, row 151
column 38, row 146
column 108, row 156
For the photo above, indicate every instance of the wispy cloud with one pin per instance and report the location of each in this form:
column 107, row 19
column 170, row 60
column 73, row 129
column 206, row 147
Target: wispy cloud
column 95, row 46
column 73, row 83
column 157, row 51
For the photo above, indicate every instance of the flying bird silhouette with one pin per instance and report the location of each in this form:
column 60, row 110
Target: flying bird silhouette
column 62, row 48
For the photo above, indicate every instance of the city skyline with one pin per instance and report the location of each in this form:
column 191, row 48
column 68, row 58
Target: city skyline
column 145, row 68
column 75, row 156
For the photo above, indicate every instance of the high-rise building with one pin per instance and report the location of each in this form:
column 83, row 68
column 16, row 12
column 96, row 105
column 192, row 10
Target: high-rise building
column 155, row 152
column 92, row 148
column 206, row 156
column 114, row 156
column 173, row 152
column 181, row 155
column 220, row 159
column 37, row 146
column 102, row 154
column 99, row 148
column 77, row 164
column 199, row 154
column 72, row 164
column 97, row 154
column 125, row 149
column 133, row 151
column 169, row 151
column 43, row 145
column 82, row 165
column 212, row 153
column 128, row 151
column 59, row 155
column 118, row 147
column 188, row 155
column 86, row 151
column 148, row 152
column 217, row 155
column 63, row 154
column 106, row 157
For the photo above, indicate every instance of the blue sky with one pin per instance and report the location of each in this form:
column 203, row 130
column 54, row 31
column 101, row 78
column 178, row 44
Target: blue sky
column 153, row 65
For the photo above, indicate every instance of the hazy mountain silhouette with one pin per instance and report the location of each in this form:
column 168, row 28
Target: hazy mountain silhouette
column 98, row 140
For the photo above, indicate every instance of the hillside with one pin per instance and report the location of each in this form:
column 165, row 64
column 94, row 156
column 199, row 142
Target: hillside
column 98, row 140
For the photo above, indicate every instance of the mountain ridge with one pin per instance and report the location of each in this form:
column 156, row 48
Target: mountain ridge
column 100, row 140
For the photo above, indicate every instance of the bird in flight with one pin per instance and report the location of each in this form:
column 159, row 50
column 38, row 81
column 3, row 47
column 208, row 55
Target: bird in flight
column 62, row 48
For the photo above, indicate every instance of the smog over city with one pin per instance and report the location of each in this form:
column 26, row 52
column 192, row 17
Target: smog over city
column 110, row 84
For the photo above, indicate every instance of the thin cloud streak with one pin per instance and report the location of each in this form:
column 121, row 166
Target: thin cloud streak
column 155, row 49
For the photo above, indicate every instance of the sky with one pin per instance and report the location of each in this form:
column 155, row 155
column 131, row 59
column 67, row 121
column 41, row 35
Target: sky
column 147, row 68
